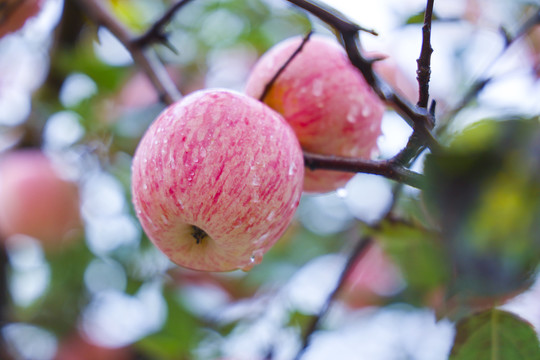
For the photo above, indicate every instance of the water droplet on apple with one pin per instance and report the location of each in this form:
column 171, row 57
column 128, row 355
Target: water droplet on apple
column 203, row 152
column 354, row 111
column 164, row 218
column 180, row 204
column 366, row 111
column 317, row 87
column 292, row 168
column 145, row 187
column 271, row 216
column 257, row 256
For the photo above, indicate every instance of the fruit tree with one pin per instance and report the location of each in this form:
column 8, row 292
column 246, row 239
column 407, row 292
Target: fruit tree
column 269, row 179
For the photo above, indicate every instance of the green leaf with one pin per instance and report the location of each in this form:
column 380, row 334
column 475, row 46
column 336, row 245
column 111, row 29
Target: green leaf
column 495, row 335
column 418, row 18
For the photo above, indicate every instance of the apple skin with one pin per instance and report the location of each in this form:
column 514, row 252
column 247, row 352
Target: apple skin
column 35, row 200
column 226, row 164
column 15, row 13
column 327, row 101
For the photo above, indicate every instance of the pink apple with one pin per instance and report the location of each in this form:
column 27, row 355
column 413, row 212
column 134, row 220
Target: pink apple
column 14, row 13
column 216, row 180
column 327, row 101
column 35, row 200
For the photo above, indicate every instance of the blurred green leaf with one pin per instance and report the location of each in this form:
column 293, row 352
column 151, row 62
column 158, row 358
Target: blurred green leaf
column 495, row 334
column 484, row 191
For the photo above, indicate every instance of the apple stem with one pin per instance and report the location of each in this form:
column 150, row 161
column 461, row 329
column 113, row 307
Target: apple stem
column 198, row 234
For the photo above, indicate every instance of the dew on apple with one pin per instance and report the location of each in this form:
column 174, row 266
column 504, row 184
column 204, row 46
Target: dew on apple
column 318, row 87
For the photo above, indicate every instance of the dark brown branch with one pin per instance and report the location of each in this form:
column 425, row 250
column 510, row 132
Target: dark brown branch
column 156, row 32
column 359, row 251
column 283, row 67
column 424, row 61
column 145, row 58
column 387, row 168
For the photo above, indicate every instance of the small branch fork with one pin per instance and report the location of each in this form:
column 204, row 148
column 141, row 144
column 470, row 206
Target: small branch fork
column 146, row 59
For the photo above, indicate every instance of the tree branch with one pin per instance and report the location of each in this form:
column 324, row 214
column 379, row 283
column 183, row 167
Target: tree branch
column 156, row 32
column 387, row 168
column 145, row 58
column 424, row 61
column 359, row 251
column 483, row 80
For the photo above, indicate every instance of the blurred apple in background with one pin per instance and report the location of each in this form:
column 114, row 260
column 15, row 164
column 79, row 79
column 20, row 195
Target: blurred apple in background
column 327, row 101
column 78, row 348
column 216, row 180
column 371, row 278
column 393, row 74
column 14, row 13
column 35, row 200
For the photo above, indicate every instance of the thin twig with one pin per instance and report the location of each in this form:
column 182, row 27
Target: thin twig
column 284, row 66
column 145, row 58
column 156, row 32
column 424, row 61
column 359, row 251
column 386, row 168
column 4, row 300
column 483, row 80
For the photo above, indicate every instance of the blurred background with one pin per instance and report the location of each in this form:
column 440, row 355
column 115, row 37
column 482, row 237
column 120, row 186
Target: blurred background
column 100, row 290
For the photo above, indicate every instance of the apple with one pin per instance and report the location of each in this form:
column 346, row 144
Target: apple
column 372, row 277
column 325, row 99
column 14, row 13
column 35, row 200
column 216, row 180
